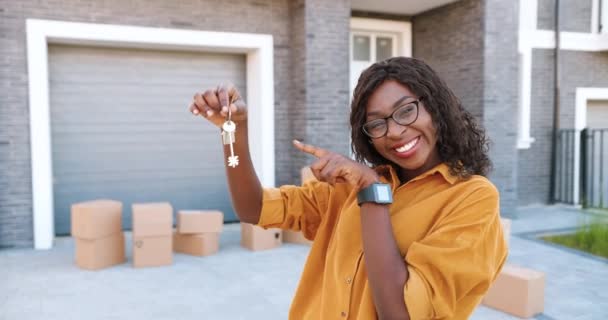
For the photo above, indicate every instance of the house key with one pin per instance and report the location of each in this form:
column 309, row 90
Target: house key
column 228, row 137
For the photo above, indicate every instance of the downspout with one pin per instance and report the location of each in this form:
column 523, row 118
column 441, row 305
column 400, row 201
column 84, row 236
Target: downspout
column 555, row 106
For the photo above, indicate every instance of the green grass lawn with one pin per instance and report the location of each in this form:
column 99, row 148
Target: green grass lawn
column 592, row 238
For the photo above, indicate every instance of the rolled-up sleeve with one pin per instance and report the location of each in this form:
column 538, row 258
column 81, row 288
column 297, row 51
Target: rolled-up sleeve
column 461, row 256
column 295, row 208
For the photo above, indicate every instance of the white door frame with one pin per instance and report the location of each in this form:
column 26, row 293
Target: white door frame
column 40, row 33
column 583, row 95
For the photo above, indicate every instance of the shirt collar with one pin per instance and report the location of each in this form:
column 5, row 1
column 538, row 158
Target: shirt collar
column 388, row 174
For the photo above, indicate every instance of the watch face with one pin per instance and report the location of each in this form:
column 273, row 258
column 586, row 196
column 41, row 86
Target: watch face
column 383, row 192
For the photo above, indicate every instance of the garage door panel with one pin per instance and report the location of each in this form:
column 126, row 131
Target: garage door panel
column 133, row 168
column 112, row 182
column 129, row 138
column 137, row 192
column 158, row 110
column 121, row 128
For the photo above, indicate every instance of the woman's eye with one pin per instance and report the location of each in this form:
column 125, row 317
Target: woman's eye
column 407, row 110
column 376, row 125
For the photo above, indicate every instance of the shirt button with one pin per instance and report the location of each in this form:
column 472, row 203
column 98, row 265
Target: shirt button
column 349, row 280
column 343, row 314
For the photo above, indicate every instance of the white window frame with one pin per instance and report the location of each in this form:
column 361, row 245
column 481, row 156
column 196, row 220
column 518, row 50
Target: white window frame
column 403, row 29
column 373, row 36
column 40, row 33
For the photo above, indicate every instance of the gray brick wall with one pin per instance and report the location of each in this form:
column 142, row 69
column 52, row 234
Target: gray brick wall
column 575, row 15
column 501, row 96
column 534, row 165
column 472, row 44
column 327, row 89
column 578, row 70
column 320, row 67
column 255, row 16
column 545, row 14
column 297, row 114
column 450, row 39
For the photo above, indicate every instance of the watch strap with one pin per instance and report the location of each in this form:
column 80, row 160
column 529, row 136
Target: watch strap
column 377, row 192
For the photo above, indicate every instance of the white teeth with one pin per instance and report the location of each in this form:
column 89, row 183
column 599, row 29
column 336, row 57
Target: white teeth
column 408, row 146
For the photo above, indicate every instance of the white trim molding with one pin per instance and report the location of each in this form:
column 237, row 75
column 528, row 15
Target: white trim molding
column 527, row 24
column 582, row 97
column 595, row 16
column 260, row 92
column 573, row 41
column 603, row 17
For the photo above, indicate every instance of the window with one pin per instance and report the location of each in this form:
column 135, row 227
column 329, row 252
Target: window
column 371, row 47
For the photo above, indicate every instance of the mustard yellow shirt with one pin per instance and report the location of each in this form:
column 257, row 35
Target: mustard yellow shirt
column 447, row 229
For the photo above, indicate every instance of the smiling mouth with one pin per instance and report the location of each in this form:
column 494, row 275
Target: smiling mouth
column 408, row 146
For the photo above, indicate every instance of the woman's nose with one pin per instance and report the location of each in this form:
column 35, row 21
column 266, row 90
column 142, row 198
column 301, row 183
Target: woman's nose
column 394, row 130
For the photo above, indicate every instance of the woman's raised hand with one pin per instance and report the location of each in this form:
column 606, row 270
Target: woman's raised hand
column 335, row 168
column 213, row 105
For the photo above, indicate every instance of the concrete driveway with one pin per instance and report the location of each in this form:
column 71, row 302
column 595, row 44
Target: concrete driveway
column 239, row 284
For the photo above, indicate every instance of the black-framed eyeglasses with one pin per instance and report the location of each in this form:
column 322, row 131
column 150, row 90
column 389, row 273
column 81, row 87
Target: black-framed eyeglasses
column 404, row 115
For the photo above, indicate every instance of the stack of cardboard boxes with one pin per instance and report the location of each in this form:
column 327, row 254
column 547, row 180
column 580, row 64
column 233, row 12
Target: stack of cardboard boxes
column 97, row 230
column 518, row 291
column 198, row 232
column 100, row 241
column 256, row 238
column 152, row 229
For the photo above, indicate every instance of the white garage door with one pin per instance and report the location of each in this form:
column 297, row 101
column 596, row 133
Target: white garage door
column 597, row 114
column 121, row 128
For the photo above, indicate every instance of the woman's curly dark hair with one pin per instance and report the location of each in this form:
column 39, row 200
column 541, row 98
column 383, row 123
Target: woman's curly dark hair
column 461, row 142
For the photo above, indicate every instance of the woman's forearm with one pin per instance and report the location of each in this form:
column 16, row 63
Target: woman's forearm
column 386, row 269
column 243, row 182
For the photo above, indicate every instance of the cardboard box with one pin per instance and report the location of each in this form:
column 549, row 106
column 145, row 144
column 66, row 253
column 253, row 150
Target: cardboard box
column 203, row 244
column 518, row 291
column 96, row 219
column 191, row 221
column 506, row 228
column 100, row 253
column 152, row 219
column 295, row 237
column 152, row 251
column 152, row 234
column 256, row 238
column 306, row 174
